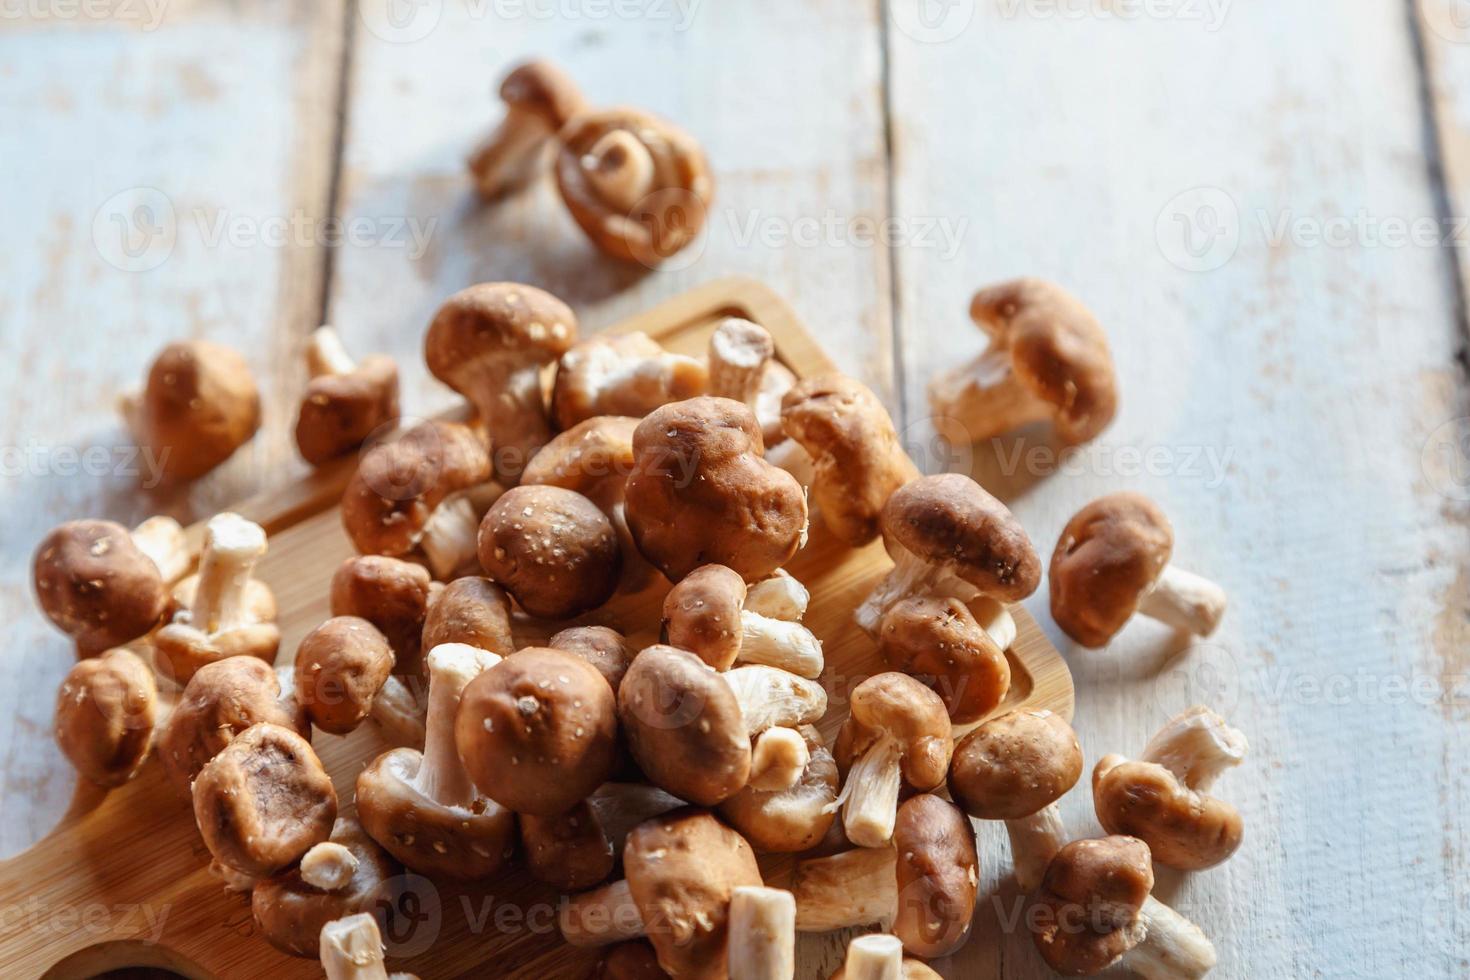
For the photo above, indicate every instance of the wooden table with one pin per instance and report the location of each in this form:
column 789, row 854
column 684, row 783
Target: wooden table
column 1258, row 199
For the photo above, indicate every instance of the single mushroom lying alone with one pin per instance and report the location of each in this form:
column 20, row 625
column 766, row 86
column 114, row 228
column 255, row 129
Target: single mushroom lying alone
column 922, row 886
column 1015, row 768
column 198, row 406
column 551, row 549
column 879, row 956
column 1094, row 911
column 1047, row 361
column 937, row 640
column 794, row 818
column 626, row 375
column 1162, row 797
column 106, row 712
column 1112, row 560
column 340, row 667
column 393, row 595
column 569, row 851
column 705, row 614
column 539, row 100
column 345, row 401
column 762, row 941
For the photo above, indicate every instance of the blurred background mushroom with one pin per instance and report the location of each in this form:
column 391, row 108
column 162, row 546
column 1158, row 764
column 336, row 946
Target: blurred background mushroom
column 539, row 99
column 345, row 401
column 625, row 375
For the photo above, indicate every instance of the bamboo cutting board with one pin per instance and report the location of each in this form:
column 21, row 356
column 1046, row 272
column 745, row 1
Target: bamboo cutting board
column 123, row 881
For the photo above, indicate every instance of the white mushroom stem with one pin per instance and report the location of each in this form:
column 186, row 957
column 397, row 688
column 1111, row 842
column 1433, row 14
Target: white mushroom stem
column 232, row 546
column 1173, row 948
column 877, row 956
column 911, row 575
column 738, row 354
column 511, row 156
column 854, row 888
column 352, row 949
column 1185, row 601
column 762, row 944
column 792, row 457
column 870, row 796
column 162, row 540
column 774, row 698
column 778, row 759
column 450, row 535
column 620, row 169
column 993, row 617
column 779, row 643
column 399, row 714
column 986, row 398
column 328, row 866
column 441, row 776
column 1035, row 840
column 601, row 917
column 326, row 354
column 779, row 597
column 1197, row 746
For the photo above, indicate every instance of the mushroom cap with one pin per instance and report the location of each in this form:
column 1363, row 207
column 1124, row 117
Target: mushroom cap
column 499, row 327
column 340, row 411
column 701, row 491
column 538, row 732
column 542, row 88
column 290, row 913
column 938, row 874
column 220, row 701
column 198, row 406
column 183, row 649
column 897, row 706
column 568, row 851
column 794, row 819
column 1089, row 903
column 858, row 460
column 263, row 801
column 949, row 520
column 626, row 375
column 400, row 482
column 1058, row 351
column 602, row 647
column 552, row 549
column 95, row 584
column 702, row 614
column 1183, row 828
column 1015, row 765
column 106, row 710
column 473, row 611
column 340, row 666
column 1108, row 557
column 390, row 593
column 681, row 868
column 683, row 726
column 629, row 961
column 463, row 843
column 593, row 458
column 936, row 639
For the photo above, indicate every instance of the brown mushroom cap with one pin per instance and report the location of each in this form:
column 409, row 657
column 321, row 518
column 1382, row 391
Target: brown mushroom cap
column 340, row 411
column 339, row 667
column 1088, row 905
column 400, row 483
column 858, row 459
column 263, row 801
column 542, row 88
column 1108, row 557
column 106, row 710
column 938, row 874
column 629, row 961
column 949, row 520
column 1183, row 828
column 626, row 375
column 683, row 726
column 568, row 851
column 94, row 583
column 602, row 647
column 794, row 819
column 538, row 731
column 198, row 406
column 592, row 457
column 393, row 595
column 701, row 492
column 220, row 701
column 681, row 869
column 1058, row 351
column 898, row 706
column 552, row 549
column 937, row 640
column 702, row 615
column 470, row 610
column 290, row 913
column 1015, row 765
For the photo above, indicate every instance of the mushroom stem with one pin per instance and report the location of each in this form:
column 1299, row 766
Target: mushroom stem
column 779, row 643
column 328, row 866
column 911, row 575
column 512, row 412
column 774, row 698
column 1035, row 840
column 1172, row 949
column 872, row 788
column 621, row 170
column 762, row 944
column 441, row 775
column 450, row 536
column 398, row 713
column 162, row 540
column 779, row 597
column 777, row 760
column 878, row 956
column 995, row 620
column 985, row 397
column 232, row 546
column 352, row 949
column 326, row 354
column 1197, row 747
column 854, row 888
column 1185, row 601
column 738, row 353
column 601, row 917
column 511, row 155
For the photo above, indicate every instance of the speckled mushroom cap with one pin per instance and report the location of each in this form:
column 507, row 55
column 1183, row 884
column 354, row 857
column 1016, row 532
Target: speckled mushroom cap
column 552, row 549
column 1108, row 557
column 593, row 458
column 858, row 460
column 629, row 961
column 621, row 375
column 1058, row 351
column 701, row 492
column 340, row 666
column 393, row 595
column 794, row 819
column 950, row 521
column 702, row 615
column 937, row 640
column 1015, row 765
column 681, row 868
column 684, row 726
column 399, row 483
column 197, row 407
column 538, row 732
column 340, row 411
column 470, row 610
column 898, row 706
column 1089, row 902
column 263, row 801
column 542, row 88
column 95, row 584
column 106, row 710
column 603, row 647
column 1184, row 828
column 938, row 874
